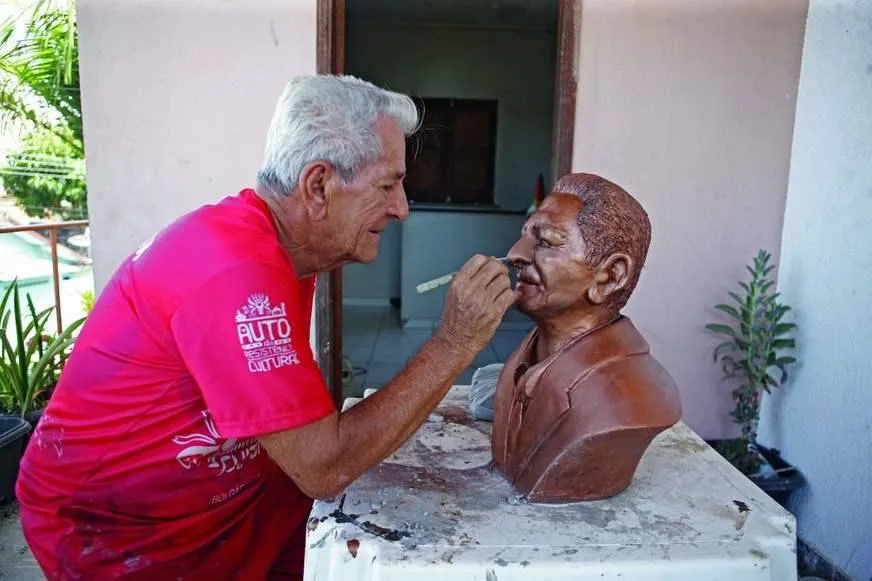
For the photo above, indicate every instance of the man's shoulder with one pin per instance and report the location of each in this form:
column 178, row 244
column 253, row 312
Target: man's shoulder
column 223, row 238
column 229, row 224
column 211, row 238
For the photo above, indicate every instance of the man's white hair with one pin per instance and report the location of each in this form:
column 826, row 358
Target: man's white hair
column 329, row 118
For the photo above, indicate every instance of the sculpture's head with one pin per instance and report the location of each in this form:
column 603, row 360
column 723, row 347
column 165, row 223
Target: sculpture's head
column 582, row 251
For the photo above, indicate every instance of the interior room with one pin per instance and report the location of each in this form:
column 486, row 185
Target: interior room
column 482, row 73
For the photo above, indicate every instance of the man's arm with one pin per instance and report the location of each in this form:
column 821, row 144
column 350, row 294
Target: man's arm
column 324, row 457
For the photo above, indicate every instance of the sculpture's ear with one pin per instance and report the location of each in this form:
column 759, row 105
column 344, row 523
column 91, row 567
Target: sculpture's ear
column 612, row 275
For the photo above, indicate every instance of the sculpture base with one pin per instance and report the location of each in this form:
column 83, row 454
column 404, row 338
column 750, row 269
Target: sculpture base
column 438, row 510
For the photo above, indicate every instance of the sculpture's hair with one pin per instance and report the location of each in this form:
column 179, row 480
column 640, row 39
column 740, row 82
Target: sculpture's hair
column 611, row 221
column 328, row 118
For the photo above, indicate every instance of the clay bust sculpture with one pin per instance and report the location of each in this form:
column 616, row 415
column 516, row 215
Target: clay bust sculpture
column 580, row 400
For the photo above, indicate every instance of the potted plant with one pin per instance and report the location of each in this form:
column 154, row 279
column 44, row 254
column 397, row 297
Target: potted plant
column 30, row 356
column 753, row 359
column 29, row 367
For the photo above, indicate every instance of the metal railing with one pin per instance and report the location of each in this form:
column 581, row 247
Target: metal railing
column 52, row 228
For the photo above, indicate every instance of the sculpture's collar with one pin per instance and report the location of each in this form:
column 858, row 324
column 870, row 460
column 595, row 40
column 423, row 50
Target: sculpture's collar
column 612, row 340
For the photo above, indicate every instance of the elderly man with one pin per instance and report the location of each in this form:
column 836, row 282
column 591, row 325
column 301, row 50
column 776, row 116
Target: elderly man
column 191, row 427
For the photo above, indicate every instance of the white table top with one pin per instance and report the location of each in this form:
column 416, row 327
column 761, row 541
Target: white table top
column 437, row 510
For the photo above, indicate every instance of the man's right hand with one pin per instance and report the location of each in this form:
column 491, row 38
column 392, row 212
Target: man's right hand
column 475, row 304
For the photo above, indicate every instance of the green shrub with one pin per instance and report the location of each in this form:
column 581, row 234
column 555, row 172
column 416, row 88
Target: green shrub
column 30, row 356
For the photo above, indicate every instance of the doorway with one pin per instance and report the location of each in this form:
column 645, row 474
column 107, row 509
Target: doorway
column 495, row 81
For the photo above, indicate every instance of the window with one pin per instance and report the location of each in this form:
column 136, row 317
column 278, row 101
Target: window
column 451, row 159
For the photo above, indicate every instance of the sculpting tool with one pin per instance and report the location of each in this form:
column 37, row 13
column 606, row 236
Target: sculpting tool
column 445, row 279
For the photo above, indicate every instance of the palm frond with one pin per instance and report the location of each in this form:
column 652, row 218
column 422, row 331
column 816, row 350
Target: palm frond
column 43, row 61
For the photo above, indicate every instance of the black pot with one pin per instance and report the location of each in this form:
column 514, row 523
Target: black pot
column 781, row 481
column 13, row 432
column 32, row 417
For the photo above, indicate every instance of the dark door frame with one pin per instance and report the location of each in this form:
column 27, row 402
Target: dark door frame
column 331, row 59
column 565, row 87
column 328, row 288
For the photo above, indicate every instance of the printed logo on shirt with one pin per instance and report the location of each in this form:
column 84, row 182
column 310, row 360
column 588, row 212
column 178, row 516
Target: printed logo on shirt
column 49, row 434
column 210, row 449
column 264, row 334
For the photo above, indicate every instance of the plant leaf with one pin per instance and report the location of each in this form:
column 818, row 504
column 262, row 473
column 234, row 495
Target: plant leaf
column 54, row 349
column 782, row 328
column 730, row 311
column 19, row 334
column 725, row 346
column 6, row 296
column 35, row 321
column 722, row 329
column 15, row 382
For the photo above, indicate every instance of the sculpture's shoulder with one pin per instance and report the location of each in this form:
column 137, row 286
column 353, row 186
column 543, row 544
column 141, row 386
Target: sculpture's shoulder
column 637, row 387
column 628, row 387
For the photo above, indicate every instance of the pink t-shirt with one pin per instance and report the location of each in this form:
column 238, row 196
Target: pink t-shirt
column 145, row 458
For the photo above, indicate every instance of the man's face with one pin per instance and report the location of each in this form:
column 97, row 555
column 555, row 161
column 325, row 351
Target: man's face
column 363, row 208
column 553, row 276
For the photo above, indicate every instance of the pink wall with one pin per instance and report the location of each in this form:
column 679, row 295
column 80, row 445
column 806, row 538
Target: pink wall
column 690, row 106
column 177, row 96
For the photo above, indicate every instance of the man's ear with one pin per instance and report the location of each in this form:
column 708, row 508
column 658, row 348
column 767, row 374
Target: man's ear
column 314, row 188
column 613, row 274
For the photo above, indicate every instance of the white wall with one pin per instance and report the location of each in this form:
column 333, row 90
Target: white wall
column 821, row 420
column 176, row 100
column 689, row 105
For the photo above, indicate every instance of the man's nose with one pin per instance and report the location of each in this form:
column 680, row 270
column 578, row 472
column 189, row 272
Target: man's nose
column 399, row 207
column 520, row 254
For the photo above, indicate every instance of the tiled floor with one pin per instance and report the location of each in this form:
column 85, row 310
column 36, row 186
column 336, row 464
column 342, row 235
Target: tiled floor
column 379, row 346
